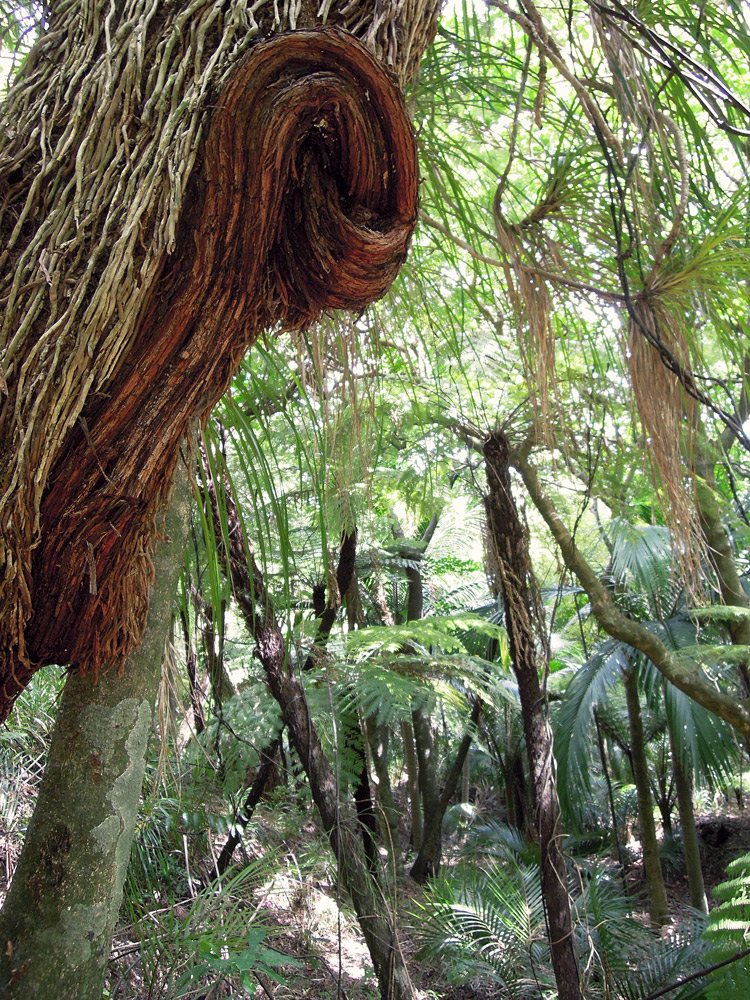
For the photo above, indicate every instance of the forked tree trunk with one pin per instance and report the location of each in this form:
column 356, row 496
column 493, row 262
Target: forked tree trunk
column 424, row 864
column 171, row 189
column 59, row 915
column 512, row 568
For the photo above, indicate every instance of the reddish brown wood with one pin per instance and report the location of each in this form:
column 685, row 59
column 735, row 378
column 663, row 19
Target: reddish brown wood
column 305, row 200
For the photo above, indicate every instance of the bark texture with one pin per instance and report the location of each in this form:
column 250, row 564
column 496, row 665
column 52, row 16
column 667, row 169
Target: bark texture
column 510, row 560
column 58, row 918
column 172, row 188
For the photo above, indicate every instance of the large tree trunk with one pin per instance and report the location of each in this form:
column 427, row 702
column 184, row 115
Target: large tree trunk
column 59, row 915
column 171, row 188
column 512, row 569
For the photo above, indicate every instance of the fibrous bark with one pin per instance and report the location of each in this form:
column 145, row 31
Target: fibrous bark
column 512, row 566
column 171, row 189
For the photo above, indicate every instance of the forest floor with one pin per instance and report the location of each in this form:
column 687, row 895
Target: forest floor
column 297, row 903
column 335, row 962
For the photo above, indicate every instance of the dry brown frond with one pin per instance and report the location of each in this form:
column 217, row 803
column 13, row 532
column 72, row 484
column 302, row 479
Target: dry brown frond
column 532, row 305
column 668, row 416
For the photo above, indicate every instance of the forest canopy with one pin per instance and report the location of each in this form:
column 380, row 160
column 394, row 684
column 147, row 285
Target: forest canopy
column 462, row 609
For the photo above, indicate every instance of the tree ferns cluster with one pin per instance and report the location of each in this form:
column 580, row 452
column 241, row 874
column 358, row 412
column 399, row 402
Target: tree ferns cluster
column 465, row 570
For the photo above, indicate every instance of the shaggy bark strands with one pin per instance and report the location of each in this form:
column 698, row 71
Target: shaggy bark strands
column 98, row 138
column 305, row 200
column 513, row 577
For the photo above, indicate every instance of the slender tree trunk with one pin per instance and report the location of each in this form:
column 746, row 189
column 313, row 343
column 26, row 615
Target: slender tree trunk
column 341, row 584
column 618, row 625
column 664, row 803
column 424, row 740
column 379, row 740
column 511, row 798
column 59, row 915
column 690, row 844
column 514, row 780
column 658, row 907
column 267, row 757
column 423, row 866
column 509, row 554
column 194, row 688
column 466, row 780
column 340, row 826
column 362, row 791
column 429, row 793
column 222, row 686
column 412, row 784
column 610, row 796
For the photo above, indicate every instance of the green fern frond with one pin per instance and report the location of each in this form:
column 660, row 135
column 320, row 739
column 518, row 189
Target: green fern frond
column 728, row 932
column 441, row 632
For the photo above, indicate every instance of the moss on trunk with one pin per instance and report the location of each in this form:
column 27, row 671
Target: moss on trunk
column 59, row 915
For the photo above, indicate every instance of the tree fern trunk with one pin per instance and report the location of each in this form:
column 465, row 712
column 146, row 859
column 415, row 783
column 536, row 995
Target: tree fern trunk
column 150, row 232
column 511, row 564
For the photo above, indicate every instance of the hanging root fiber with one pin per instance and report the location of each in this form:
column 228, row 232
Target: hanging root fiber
column 303, row 198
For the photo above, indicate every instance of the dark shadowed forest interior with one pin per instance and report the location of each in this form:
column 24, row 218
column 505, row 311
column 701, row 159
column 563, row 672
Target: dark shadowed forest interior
column 375, row 409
